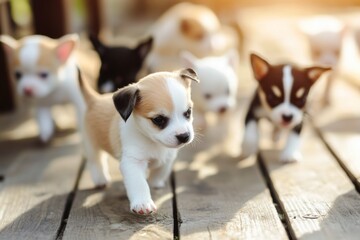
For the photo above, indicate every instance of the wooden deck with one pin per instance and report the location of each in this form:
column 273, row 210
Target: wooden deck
column 46, row 191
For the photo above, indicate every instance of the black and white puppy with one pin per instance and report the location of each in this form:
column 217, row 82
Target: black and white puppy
column 280, row 97
column 119, row 65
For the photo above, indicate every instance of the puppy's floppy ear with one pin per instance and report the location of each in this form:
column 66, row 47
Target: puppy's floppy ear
column 260, row 66
column 98, row 46
column 66, row 46
column 188, row 74
column 188, row 59
column 144, row 47
column 125, row 100
column 314, row 73
column 9, row 44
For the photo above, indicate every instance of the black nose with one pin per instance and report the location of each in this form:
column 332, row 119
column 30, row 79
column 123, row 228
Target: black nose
column 183, row 138
column 287, row 118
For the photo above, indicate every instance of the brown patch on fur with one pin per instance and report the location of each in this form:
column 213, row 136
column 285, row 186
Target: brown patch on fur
column 192, row 29
column 154, row 95
column 102, row 124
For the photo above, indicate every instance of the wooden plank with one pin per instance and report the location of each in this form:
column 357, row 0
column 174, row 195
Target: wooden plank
column 319, row 199
column 35, row 191
column 340, row 127
column 105, row 214
column 221, row 198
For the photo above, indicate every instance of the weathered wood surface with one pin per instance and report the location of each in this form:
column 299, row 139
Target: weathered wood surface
column 319, row 199
column 35, row 190
column 219, row 197
column 105, row 214
column 339, row 124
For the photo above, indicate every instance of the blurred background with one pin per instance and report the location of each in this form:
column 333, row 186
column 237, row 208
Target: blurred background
column 268, row 27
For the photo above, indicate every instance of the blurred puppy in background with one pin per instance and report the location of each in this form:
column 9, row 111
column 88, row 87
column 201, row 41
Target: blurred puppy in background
column 280, row 97
column 119, row 65
column 191, row 27
column 217, row 91
column 46, row 74
column 325, row 35
column 143, row 124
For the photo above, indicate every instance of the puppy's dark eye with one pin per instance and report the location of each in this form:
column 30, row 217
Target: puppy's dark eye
column 273, row 100
column 208, row 96
column 160, row 121
column 187, row 114
column 18, row 75
column 43, row 75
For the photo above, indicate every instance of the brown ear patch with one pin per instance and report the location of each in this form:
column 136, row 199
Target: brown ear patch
column 260, row 66
column 191, row 28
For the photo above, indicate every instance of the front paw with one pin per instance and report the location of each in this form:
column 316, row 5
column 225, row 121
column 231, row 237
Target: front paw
column 143, row 207
column 45, row 137
column 290, row 157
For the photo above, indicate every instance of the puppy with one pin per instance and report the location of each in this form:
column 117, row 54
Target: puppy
column 119, row 65
column 143, row 124
column 185, row 26
column 325, row 35
column 217, row 91
column 46, row 74
column 280, row 97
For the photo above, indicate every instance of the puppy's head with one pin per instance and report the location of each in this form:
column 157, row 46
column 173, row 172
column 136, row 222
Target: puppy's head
column 36, row 62
column 283, row 89
column 119, row 65
column 218, row 87
column 325, row 36
column 198, row 25
column 160, row 105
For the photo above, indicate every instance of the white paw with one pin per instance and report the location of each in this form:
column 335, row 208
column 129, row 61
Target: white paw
column 290, row 157
column 143, row 207
column 100, row 179
column 248, row 150
column 45, row 136
column 157, row 184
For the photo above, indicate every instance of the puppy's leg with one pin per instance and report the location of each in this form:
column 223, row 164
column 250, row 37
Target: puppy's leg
column 97, row 161
column 290, row 152
column 137, row 188
column 159, row 175
column 328, row 86
column 250, row 140
column 46, row 124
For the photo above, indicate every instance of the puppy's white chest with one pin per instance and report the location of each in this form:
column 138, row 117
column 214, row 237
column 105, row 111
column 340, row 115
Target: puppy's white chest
column 160, row 158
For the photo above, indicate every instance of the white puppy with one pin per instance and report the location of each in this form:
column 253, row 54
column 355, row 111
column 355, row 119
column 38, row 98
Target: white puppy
column 325, row 35
column 191, row 27
column 46, row 74
column 217, row 91
column 144, row 125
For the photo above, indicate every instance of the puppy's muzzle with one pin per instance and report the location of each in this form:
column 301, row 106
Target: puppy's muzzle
column 183, row 138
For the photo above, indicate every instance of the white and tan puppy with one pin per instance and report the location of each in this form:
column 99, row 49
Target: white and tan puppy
column 186, row 26
column 325, row 35
column 46, row 74
column 217, row 91
column 143, row 125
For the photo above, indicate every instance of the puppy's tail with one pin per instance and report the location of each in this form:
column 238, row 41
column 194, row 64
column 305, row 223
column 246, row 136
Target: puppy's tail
column 87, row 91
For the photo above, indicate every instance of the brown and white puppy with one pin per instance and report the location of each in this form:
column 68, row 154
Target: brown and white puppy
column 280, row 97
column 186, row 26
column 46, row 74
column 143, row 125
